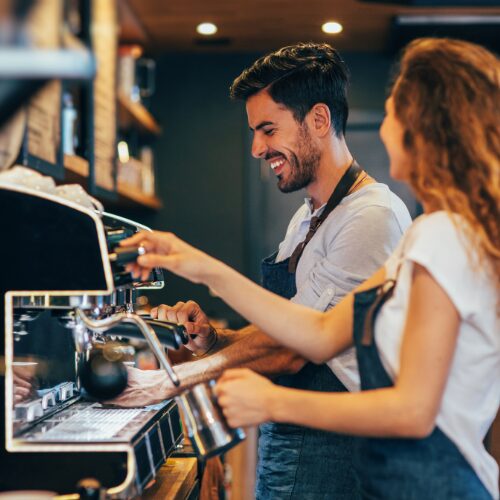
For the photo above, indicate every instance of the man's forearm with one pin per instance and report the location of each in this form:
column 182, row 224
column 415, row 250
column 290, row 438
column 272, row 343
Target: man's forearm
column 226, row 337
column 252, row 349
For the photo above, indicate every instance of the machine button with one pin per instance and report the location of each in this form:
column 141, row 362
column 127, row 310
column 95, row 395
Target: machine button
column 28, row 412
column 48, row 399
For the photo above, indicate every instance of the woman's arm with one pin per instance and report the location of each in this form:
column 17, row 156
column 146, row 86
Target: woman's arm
column 314, row 335
column 407, row 409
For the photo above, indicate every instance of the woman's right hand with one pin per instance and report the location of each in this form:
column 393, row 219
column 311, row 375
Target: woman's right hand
column 169, row 252
column 245, row 397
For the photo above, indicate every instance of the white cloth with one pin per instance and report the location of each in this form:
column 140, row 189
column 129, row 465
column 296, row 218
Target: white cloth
column 352, row 243
column 472, row 394
column 29, row 178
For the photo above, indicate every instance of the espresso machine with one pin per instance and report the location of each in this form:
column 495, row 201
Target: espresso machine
column 67, row 307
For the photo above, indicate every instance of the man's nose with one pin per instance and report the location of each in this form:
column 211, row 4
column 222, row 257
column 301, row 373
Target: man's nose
column 259, row 147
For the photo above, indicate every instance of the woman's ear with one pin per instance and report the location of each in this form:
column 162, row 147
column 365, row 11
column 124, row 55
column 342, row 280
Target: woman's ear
column 320, row 120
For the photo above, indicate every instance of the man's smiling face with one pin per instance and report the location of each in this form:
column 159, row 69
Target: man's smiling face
column 283, row 142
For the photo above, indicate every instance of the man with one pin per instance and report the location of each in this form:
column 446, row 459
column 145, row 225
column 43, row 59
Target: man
column 297, row 109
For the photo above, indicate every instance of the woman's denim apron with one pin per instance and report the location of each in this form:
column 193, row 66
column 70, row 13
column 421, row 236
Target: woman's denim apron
column 297, row 462
column 403, row 469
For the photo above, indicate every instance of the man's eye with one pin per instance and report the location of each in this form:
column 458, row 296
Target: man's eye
column 269, row 131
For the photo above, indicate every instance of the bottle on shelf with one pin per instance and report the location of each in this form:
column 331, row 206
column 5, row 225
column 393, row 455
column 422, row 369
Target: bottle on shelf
column 69, row 117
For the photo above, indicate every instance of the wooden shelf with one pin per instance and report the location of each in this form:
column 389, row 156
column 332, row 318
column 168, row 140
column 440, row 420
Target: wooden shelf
column 77, row 164
column 131, row 197
column 131, row 113
column 132, row 29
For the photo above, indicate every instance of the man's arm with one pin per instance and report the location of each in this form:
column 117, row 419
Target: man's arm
column 254, row 350
column 248, row 347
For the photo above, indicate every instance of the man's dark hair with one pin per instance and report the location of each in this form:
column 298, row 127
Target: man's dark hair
column 300, row 76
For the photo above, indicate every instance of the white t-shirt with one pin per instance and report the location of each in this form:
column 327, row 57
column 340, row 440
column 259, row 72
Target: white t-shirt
column 352, row 243
column 472, row 394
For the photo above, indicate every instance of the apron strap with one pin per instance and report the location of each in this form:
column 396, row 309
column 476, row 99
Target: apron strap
column 384, row 293
column 341, row 189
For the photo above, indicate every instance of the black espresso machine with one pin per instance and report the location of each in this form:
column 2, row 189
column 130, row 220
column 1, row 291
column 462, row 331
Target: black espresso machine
column 65, row 301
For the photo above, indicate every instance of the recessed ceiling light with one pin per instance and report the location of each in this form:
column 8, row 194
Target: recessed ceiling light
column 206, row 29
column 332, row 27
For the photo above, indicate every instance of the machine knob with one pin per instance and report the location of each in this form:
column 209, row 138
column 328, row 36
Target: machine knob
column 90, row 489
column 28, row 412
column 65, row 391
column 114, row 236
column 124, row 255
column 48, row 399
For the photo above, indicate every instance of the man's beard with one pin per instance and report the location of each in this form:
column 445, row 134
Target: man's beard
column 303, row 170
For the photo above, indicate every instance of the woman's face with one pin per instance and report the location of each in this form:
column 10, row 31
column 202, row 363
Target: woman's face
column 391, row 133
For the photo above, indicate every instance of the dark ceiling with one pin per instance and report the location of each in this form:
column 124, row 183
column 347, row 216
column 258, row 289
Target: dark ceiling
column 258, row 25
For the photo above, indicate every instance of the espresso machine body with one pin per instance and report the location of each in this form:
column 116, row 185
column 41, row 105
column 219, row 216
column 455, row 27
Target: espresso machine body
column 57, row 271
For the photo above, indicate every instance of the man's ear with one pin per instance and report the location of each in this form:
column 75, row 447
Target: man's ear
column 320, row 120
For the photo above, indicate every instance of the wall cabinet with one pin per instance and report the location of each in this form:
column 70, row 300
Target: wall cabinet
column 73, row 128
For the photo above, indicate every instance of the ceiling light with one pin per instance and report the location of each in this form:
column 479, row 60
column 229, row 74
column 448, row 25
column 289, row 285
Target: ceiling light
column 332, row 27
column 206, row 29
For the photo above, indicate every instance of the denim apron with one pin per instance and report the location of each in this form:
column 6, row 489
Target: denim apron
column 297, row 462
column 397, row 468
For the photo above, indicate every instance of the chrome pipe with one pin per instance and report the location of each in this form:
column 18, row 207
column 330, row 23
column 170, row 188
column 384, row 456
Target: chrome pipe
column 102, row 325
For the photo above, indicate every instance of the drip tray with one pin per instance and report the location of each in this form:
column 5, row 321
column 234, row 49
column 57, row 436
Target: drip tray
column 90, row 422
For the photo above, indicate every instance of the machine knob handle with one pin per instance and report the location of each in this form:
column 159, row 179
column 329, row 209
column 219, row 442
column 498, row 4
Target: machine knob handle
column 114, row 236
column 124, row 255
column 170, row 335
column 179, row 331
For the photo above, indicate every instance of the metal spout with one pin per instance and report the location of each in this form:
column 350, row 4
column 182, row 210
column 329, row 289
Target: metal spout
column 103, row 325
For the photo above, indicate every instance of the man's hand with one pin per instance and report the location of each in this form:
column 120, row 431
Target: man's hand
column 202, row 336
column 245, row 397
column 145, row 387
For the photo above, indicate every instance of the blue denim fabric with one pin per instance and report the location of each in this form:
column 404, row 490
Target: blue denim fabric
column 404, row 469
column 297, row 462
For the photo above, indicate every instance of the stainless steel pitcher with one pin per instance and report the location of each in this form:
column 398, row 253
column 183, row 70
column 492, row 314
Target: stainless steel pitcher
column 206, row 425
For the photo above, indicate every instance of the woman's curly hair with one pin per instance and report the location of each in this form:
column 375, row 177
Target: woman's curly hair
column 447, row 98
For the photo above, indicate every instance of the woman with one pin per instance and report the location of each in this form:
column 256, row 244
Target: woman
column 427, row 326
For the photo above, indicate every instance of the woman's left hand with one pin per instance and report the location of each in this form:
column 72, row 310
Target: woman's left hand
column 245, row 397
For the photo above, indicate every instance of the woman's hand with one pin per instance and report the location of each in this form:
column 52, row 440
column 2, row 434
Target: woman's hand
column 245, row 397
column 167, row 251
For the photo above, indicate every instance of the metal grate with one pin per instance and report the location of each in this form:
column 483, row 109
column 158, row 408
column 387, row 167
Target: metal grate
column 91, row 424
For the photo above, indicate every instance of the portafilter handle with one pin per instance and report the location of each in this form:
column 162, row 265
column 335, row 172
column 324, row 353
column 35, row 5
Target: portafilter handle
column 170, row 335
column 103, row 325
column 125, row 255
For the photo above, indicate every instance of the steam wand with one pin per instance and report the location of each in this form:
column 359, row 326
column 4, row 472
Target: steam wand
column 102, row 325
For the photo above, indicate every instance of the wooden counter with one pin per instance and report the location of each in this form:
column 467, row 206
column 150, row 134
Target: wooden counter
column 174, row 481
